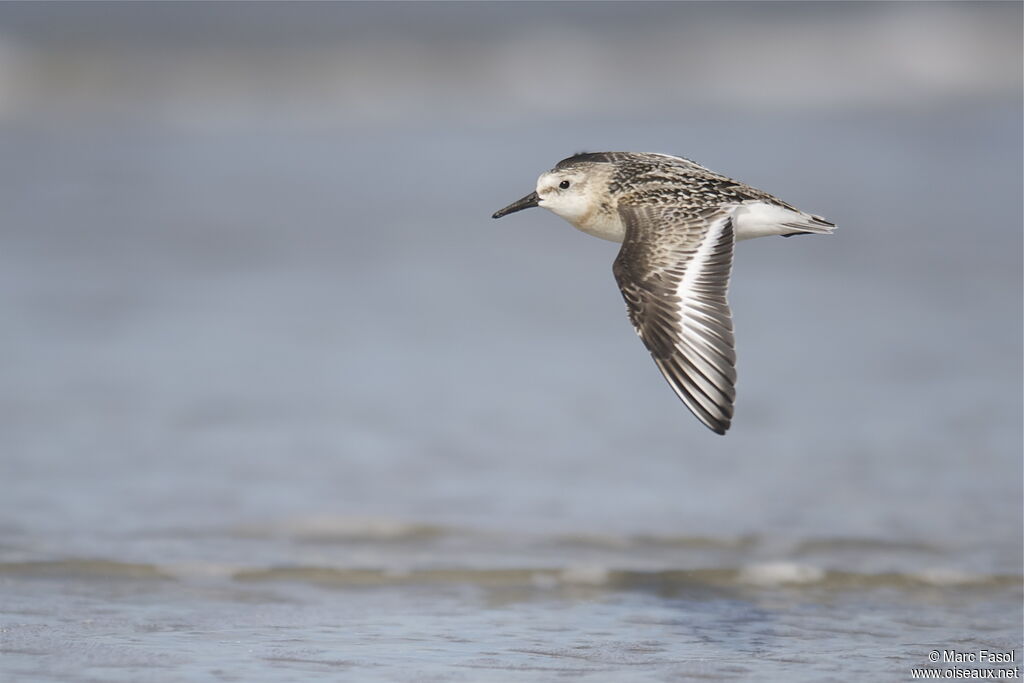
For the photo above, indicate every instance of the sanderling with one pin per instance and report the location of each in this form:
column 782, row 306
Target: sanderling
column 677, row 222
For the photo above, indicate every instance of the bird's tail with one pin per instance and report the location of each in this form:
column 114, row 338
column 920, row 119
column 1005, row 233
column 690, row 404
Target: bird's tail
column 810, row 225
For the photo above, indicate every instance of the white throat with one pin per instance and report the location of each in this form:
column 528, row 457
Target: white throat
column 584, row 211
column 604, row 224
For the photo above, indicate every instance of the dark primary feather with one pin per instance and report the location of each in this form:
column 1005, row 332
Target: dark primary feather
column 688, row 330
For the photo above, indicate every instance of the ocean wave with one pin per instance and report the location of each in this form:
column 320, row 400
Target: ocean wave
column 751, row 576
column 326, row 529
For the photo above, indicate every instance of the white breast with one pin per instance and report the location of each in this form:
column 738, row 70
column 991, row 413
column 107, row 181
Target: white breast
column 606, row 225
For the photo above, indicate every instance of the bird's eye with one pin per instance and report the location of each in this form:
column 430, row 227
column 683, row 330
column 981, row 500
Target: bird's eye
column 564, row 184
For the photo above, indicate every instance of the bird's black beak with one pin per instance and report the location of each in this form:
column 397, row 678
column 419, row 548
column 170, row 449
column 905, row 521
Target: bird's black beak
column 526, row 202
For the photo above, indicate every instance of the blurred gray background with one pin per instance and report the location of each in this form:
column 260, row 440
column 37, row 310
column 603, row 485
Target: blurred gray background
column 254, row 241
column 251, row 289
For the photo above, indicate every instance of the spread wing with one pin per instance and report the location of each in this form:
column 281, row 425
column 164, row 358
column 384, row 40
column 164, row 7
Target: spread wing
column 673, row 270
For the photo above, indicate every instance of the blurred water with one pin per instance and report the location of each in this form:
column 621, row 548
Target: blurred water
column 279, row 400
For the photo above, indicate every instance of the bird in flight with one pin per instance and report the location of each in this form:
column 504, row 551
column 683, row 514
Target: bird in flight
column 677, row 222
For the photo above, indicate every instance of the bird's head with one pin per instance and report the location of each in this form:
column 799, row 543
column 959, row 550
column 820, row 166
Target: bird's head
column 567, row 192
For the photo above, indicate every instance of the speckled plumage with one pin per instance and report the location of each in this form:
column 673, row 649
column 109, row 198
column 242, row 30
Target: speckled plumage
column 645, row 178
column 678, row 223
